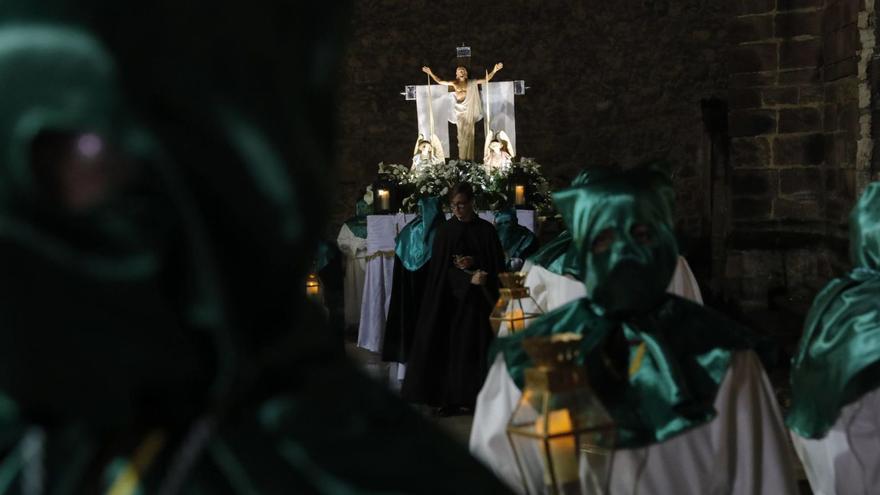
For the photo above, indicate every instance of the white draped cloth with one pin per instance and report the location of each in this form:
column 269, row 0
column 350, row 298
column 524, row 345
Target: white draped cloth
column 551, row 290
column 846, row 461
column 742, row 451
column 354, row 250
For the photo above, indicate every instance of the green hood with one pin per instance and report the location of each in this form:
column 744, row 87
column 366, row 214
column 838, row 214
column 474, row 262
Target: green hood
column 839, row 353
column 655, row 360
column 515, row 239
column 416, row 240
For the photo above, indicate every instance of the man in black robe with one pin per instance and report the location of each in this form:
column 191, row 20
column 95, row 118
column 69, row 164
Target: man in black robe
column 447, row 363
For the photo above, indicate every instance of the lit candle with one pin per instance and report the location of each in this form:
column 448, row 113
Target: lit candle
column 520, row 195
column 516, row 320
column 563, row 450
column 384, row 199
column 312, row 290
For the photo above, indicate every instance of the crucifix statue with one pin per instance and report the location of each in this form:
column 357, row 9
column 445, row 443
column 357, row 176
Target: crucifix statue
column 468, row 107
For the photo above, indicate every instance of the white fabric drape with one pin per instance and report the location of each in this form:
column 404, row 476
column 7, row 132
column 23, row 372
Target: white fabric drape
column 742, row 451
column 551, row 290
column 354, row 250
column 847, row 460
column 502, row 115
column 441, row 106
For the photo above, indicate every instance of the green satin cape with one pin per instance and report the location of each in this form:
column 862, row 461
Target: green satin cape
column 838, row 358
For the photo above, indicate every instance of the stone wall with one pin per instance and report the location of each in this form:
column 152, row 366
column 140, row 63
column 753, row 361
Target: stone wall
column 796, row 121
column 608, row 81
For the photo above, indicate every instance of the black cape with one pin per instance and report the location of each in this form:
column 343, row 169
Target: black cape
column 448, row 359
column 407, row 289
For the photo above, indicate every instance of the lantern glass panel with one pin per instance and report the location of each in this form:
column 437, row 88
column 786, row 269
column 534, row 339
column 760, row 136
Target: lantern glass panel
column 515, row 308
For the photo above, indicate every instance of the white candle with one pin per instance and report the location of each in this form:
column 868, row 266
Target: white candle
column 520, row 195
column 384, row 199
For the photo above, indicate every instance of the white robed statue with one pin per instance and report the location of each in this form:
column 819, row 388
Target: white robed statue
column 499, row 151
column 427, row 154
column 467, row 105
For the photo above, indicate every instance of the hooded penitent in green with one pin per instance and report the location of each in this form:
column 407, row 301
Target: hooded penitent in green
column 416, row 239
column 162, row 172
column 655, row 359
column 358, row 223
column 517, row 241
column 838, row 358
column 557, row 256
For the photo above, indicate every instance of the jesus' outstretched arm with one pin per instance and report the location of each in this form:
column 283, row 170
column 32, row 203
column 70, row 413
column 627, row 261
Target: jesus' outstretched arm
column 428, row 71
column 489, row 77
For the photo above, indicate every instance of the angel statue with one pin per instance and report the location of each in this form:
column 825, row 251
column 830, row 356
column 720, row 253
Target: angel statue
column 498, row 152
column 467, row 106
column 427, row 154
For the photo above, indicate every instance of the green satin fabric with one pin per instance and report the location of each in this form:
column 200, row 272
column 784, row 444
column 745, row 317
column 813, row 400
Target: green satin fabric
column 687, row 354
column 515, row 239
column 325, row 254
column 838, row 357
column 416, row 239
column 687, row 347
column 358, row 223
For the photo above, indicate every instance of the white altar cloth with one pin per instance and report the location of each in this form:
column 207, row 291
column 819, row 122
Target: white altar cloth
column 382, row 232
column 743, row 451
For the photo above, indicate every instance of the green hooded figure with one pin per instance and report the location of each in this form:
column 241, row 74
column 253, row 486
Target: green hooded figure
column 838, row 358
column 161, row 174
column 667, row 370
column 621, row 228
column 554, row 256
column 518, row 242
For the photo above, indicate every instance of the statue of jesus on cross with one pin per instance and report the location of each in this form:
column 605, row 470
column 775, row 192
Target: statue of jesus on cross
column 468, row 108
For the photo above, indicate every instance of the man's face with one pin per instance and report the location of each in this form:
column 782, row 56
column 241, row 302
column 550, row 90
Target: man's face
column 461, row 73
column 462, row 207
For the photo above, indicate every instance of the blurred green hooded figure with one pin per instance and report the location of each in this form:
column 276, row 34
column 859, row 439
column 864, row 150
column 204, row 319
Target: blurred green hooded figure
column 662, row 365
column 518, row 242
column 161, row 178
column 836, row 370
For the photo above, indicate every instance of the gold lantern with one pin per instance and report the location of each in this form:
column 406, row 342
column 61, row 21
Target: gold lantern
column 314, row 290
column 515, row 305
column 561, row 434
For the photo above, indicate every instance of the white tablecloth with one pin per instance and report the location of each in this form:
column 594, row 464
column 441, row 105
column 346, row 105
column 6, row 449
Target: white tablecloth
column 382, row 232
column 847, row 460
column 354, row 250
column 742, row 451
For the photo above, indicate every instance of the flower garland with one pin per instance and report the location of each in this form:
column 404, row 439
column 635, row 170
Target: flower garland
column 491, row 187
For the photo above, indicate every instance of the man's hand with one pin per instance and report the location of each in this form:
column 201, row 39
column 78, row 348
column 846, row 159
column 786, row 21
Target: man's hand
column 479, row 277
column 464, row 262
column 427, row 70
column 498, row 67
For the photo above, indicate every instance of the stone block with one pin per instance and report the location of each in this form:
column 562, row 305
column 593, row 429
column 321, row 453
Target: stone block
column 804, row 183
column 842, row 91
column 753, row 182
column 751, row 208
column 789, row 25
column 753, row 58
column 848, row 117
column 830, row 120
column 799, row 76
column 750, row 152
column 784, row 5
column 751, row 28
column 799, row 54
column 806, row 149
column 751, row 122
column 840, row 148
column 739, row 99
column 799, row 120
column 758, row 263
column 786, row 209
column 840, row 13
column 752, row 79
column 840, row 44
column 780, row 96
column 842, row 69
column 747, row 7
column 811, row 94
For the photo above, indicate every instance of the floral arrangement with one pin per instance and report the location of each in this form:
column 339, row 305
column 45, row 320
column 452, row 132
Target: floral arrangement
column 491, row 186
